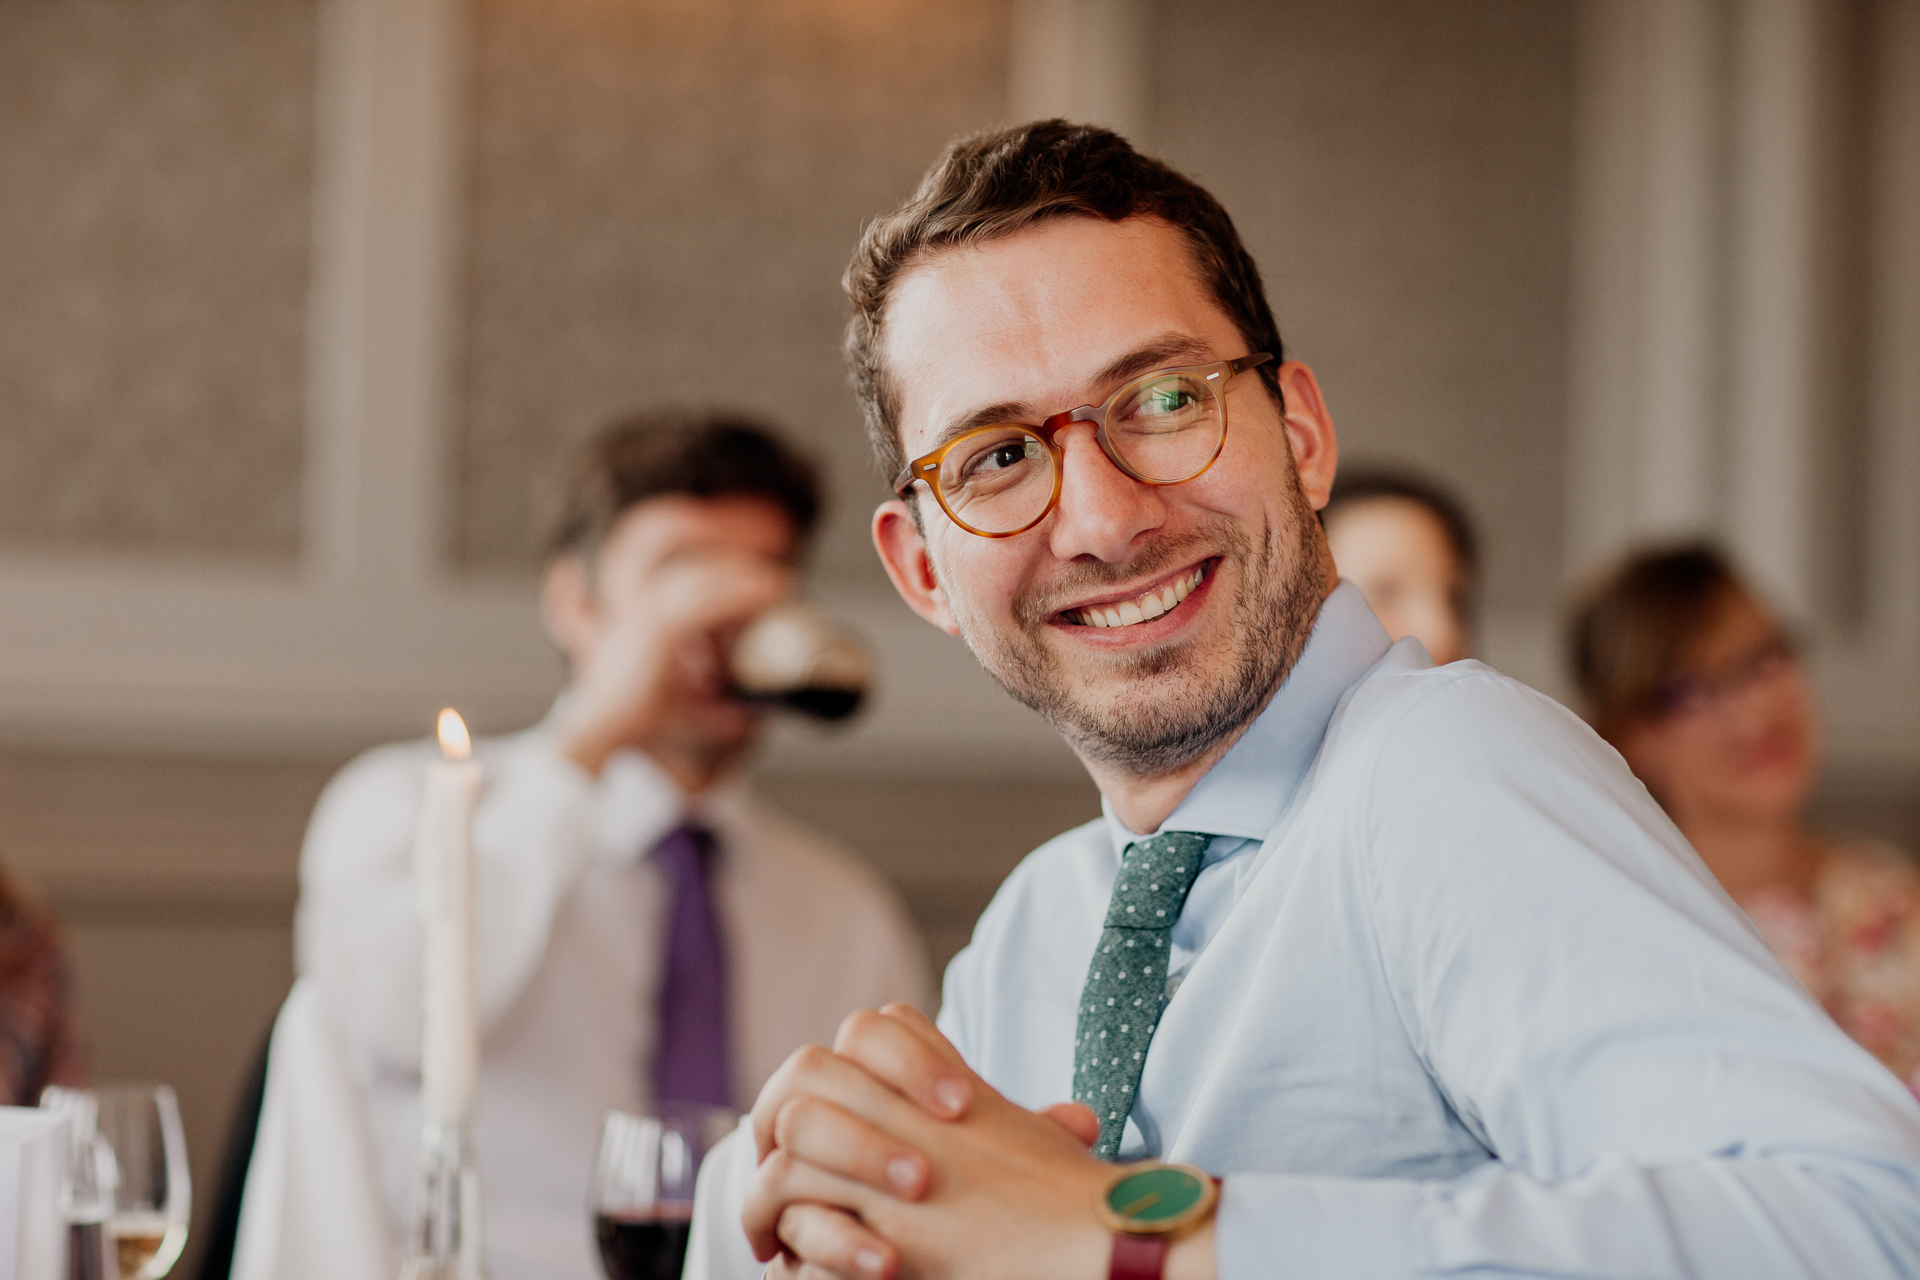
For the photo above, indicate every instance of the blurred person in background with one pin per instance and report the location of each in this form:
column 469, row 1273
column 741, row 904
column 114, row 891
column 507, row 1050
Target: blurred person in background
column 1410, row 549
column 1693, row 678
column 40, row 1042
column 647, row 930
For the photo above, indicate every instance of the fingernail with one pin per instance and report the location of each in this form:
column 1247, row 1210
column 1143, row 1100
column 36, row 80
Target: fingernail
column 904, row 1174
column 868, row 1261
column 952, row 1095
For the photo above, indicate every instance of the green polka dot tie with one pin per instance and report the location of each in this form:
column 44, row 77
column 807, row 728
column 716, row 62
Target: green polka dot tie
column 1127, row 981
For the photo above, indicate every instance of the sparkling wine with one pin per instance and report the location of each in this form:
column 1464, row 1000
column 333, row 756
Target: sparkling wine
column 648, row 1244
column 431, row 1269
column 137, row 1238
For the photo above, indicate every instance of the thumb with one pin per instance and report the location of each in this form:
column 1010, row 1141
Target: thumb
column 1076, row 1118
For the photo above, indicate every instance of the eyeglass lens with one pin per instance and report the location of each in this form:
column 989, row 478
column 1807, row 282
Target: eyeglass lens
column 1687, row 694
column 1163, row 429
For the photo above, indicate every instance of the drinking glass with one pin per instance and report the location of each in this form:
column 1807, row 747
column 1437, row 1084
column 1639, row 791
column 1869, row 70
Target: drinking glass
column 642, row 1193
column 130, row 1195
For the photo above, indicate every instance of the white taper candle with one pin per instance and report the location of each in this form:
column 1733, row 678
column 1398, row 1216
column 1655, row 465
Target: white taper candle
column 443, row 864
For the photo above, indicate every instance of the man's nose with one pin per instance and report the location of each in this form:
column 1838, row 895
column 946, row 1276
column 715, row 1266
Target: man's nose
column 1102, row 509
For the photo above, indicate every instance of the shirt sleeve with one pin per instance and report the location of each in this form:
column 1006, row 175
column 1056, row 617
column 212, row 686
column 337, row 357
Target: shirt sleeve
column 359, row 928
column 1659, row 1098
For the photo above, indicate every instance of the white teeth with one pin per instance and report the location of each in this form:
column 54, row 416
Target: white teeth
column 1143, row 608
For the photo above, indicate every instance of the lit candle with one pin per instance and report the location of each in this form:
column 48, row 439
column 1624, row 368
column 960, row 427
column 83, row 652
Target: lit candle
column 443, row 862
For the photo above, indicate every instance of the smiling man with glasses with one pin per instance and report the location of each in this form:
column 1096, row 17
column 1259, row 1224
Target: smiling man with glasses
column 1370, row 968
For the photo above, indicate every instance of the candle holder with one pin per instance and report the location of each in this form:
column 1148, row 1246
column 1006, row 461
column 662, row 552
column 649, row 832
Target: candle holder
column 444, row 1238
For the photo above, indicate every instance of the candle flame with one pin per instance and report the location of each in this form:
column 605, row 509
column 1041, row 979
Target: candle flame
column 455, row 744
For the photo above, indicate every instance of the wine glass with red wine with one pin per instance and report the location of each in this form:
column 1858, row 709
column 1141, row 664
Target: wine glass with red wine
column 642, row 1193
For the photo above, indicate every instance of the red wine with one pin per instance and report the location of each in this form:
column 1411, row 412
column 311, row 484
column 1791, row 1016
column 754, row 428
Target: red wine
column 817, row 701
column 650, row 1244
column 822, row 704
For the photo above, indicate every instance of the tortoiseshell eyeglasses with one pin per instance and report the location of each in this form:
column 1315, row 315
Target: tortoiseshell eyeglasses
column 1001, row 479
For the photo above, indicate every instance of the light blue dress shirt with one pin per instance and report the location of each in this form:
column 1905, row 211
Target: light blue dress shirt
column 1452, row 997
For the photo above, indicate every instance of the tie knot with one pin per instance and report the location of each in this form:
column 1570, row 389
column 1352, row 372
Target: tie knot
column 1155, row 876
column 685, row 852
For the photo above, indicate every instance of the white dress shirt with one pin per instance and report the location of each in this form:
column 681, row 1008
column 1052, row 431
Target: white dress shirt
column 1450, row 997
column 570, row 951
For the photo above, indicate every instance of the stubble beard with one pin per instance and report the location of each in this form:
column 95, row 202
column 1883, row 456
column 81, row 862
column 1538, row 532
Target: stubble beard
column 1162, row 722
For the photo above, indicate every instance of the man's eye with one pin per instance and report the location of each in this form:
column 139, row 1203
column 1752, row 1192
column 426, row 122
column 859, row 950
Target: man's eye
column 1168, row 400
column 999, row 457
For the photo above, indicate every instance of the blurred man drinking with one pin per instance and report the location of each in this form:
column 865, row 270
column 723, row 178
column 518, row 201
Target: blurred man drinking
column 647, row 931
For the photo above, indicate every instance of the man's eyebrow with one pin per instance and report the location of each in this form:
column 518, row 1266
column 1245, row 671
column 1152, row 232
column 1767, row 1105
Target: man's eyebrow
column 1005, row 411
column 1167, row 351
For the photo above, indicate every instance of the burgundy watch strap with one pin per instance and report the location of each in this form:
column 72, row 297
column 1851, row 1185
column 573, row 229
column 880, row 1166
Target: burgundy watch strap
column 1138, row 1257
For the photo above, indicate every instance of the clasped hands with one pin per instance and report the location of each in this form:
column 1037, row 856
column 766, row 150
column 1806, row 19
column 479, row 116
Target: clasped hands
column 886, row 1157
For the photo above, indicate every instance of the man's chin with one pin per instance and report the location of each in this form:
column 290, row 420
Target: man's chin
column 1154, row 718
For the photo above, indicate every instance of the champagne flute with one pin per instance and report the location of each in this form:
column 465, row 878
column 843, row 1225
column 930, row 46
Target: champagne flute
column 642, row 1193
column 131, row 1174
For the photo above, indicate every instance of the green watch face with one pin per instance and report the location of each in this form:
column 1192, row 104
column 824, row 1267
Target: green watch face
column 1156, row 1196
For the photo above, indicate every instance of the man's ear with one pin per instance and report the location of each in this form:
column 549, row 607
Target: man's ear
column 566, row 605
column 1310, row 431
column 904, row 553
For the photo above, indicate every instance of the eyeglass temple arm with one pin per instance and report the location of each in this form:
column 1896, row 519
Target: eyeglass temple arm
column 903, row 483
column 1247, row 362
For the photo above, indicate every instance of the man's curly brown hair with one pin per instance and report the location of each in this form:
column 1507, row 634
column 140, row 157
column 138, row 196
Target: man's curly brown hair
column 995, row 183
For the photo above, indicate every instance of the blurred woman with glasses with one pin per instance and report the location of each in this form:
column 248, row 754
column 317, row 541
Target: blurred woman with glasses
column 1689, row 674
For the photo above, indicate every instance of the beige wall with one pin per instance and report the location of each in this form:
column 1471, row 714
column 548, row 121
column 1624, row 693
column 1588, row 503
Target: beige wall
column 1402, row 175
column 301, row 298
column 156, row 165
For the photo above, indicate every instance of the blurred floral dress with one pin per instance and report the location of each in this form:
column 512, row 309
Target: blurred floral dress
column 1854, row 943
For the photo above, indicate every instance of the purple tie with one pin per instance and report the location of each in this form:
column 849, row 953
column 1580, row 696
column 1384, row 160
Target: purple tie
column 694, row 1065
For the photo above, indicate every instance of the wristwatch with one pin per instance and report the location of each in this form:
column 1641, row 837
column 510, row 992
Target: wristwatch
column 1146, row 1206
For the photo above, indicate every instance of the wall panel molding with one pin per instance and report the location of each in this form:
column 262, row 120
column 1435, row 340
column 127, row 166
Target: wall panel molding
column 1775, row 306
column 1083, row 60
column 384, row 307
column 1704, row 375
column 1645, row 287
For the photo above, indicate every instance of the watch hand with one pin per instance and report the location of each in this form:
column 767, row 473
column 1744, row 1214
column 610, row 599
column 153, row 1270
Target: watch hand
column 1146, row 1201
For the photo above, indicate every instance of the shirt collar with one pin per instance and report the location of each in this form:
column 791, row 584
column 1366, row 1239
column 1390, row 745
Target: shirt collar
column 1246, row 792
